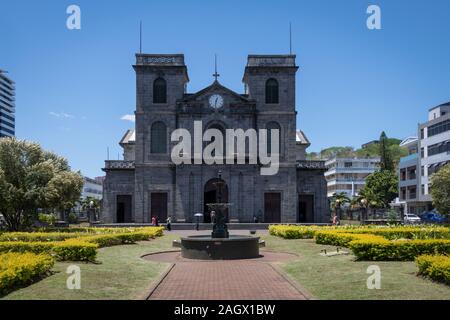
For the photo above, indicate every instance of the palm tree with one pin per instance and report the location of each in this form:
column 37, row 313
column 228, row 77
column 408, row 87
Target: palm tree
column 338, row 200
column 367, row 199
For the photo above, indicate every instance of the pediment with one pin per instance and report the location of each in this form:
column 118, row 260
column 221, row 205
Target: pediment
column 202, row 96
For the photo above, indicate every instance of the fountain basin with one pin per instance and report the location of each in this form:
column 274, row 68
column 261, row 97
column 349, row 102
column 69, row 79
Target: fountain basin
column 207, row 248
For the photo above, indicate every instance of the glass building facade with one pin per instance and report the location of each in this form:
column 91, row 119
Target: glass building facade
column 7, row 106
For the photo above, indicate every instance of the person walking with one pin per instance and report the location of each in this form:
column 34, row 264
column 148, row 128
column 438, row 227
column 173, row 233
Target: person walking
column 336, row 221
column 153, row 221
column 169, row 224
column 156, row 221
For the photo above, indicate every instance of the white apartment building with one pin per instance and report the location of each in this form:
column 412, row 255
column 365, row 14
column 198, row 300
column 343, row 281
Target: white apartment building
column 92, row 188
column 428, row 153
column 349, row 175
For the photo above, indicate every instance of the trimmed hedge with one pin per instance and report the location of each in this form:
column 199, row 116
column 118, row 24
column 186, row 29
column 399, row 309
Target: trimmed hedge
column 72, row 249
column 335, row 238
column 403, row 250
column 38, row 236
column 17, row 269
column 293, row 232
column 405, row 232
column 77, row 246
column 436, row 267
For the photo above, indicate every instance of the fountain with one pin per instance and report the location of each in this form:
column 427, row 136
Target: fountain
column 220, row 245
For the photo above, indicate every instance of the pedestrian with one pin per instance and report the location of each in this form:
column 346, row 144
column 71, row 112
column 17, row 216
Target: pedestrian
column 156, row 222
column 336, row 221
column 255, row 219
column 169, row 224
column 153, row 221
column 213, row 216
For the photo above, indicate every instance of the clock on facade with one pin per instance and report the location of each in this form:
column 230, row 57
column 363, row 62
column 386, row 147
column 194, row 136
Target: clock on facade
column 216, row 101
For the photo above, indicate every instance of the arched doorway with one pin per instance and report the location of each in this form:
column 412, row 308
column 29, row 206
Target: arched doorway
column 210, row 195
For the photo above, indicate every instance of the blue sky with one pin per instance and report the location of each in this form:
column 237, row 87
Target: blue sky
column 73, row 86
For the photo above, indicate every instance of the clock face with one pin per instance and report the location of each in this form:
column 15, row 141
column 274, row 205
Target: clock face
column 216, row 101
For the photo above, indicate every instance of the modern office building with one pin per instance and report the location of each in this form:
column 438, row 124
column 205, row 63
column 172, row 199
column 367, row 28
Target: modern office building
column 428, row 153
column 349, row 175
column 7, row 106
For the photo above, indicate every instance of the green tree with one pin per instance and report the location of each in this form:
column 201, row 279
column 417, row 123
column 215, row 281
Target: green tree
column 440, row 190
column 381, row 188
column 338, row 200
column 386, row 162
column 32, row 179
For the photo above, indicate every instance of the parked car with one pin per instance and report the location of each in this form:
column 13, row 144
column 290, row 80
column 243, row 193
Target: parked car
column 411, row 218
column 434, row 217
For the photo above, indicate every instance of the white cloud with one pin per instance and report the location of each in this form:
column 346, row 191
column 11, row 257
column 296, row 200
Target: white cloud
column 61, row 115
column 128, row 117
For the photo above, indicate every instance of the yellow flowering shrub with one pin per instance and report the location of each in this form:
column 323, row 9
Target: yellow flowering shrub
column 76, row 246
column 436, row 267
column 17, row 269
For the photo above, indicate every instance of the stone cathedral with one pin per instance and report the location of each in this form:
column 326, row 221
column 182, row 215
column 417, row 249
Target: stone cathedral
column 148, row 183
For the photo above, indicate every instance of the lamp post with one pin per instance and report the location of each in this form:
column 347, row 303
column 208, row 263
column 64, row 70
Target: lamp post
column 364, row 205
column 91, row 206
column 337, row 207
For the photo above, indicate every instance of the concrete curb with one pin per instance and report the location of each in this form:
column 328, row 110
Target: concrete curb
column 292, row 282
column 155, row 284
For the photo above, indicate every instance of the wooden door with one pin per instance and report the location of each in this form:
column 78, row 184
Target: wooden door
column 272, row 207
column 158, row 206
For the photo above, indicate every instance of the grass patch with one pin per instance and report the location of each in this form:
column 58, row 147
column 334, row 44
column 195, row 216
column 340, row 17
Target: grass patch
column 341, row 277
column 120, row 274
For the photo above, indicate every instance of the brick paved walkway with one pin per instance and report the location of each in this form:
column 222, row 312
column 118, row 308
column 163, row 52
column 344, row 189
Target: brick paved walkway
column 239, row 279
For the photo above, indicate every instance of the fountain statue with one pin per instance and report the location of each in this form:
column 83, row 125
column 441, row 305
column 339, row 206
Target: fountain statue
column 220, row 245
column 220, row 229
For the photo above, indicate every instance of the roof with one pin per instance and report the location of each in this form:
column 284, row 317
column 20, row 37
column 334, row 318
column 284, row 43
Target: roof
column 301, row 138
column 213, row 87
column 408, row 140
column 129, row 137
column 446, row 104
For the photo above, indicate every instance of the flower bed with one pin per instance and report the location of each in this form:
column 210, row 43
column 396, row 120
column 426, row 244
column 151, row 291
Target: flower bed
column 436, row 267
column 375, row 242
column 18, row 269
column 76, row 246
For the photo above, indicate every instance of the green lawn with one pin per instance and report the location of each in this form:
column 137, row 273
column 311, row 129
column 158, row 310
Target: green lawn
column 340, row 277
column 122, row 274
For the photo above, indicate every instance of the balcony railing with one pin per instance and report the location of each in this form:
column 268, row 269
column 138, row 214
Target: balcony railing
column 311, row 164
column 119, row 164
column 409, row 158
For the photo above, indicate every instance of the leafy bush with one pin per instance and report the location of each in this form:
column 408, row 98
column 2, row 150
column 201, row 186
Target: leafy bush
column 72, row 218
column 18, row 269
column 49, row 218
column 436, row 267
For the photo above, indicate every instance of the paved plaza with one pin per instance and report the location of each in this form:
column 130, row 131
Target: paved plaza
column 251, row 279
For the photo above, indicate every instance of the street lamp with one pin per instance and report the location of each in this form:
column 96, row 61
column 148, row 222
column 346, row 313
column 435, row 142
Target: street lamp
column 364, row 205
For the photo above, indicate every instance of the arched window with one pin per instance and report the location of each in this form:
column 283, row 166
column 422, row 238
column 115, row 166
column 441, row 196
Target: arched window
column 273, row 126
column 159, row 91
column 158, row 138
column 271, row 91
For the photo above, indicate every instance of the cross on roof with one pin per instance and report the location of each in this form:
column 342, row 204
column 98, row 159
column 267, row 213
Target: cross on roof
column 215, row 75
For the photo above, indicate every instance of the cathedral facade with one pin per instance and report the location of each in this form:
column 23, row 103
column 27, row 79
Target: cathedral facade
column 148, row 183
